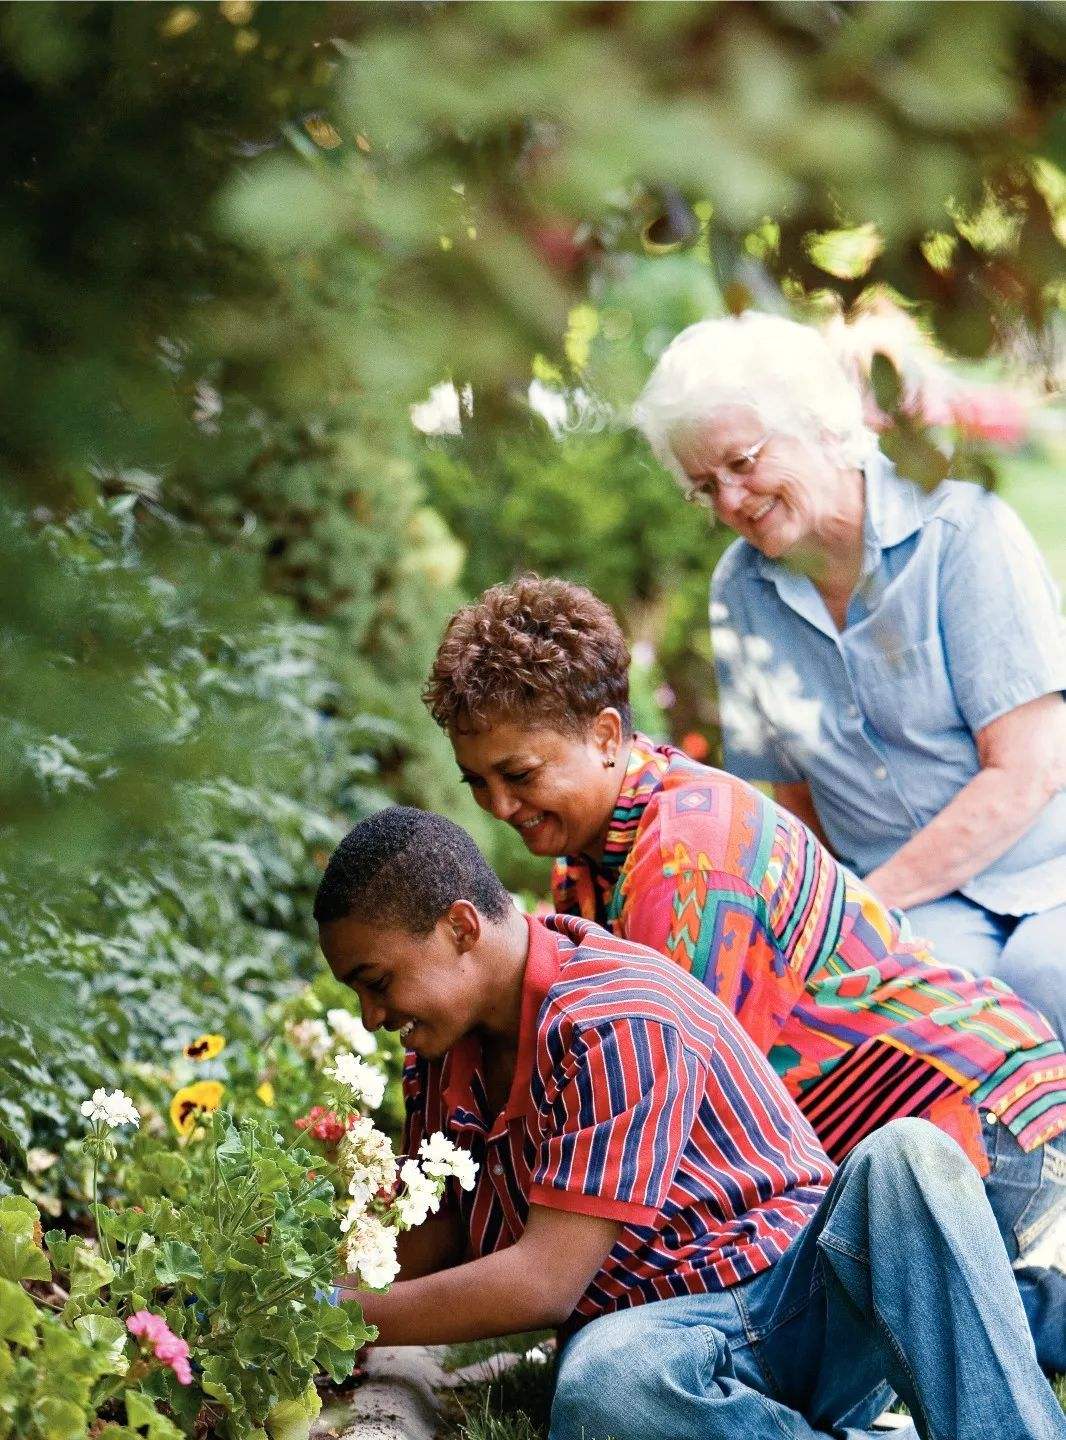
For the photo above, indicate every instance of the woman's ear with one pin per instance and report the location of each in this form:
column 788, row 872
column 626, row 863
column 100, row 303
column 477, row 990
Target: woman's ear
column 607, row 735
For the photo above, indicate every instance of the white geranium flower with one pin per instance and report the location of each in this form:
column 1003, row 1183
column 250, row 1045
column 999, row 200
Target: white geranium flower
column 351, row 1031
column 366, row 1082
column 366, row 1159
column 371, row 1252
column 110, row 1110
column 311, row 1038
column 420, row 1197
column 440, row 1158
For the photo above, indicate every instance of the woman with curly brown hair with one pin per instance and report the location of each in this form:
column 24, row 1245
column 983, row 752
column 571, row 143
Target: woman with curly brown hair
column 858, row 1019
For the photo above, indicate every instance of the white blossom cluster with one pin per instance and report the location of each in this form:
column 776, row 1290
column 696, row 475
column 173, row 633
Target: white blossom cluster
column 365, row 1158
column 440, row 1158
column 111, row 1110
column 317, row 1040
column 351, row 1032
column 420, row 1196
column 383, row 1197
column 371, row 1251
column 311, row 1038
column 365, row 1082
column 375, row 1214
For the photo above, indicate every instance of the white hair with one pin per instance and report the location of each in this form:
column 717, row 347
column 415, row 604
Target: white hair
column 784, row 371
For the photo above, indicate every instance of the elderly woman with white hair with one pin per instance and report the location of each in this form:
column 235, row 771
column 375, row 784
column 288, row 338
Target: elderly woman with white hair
column 891, row 660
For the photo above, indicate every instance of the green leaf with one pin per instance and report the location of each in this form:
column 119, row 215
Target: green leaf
column 108, row 1337
column 177, row 1261
column 18, row 1315
column 62, row 1248
column 218, row 1381
column 886, row 382
column 19, row 1205
column 141, row 1414
column 60, row 1419
column 915, row 455
column 20, row 1257
column 89, row 1273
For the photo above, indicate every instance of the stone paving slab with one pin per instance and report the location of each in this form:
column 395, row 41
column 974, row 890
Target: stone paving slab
column 396, row 1401
column 398, row 1398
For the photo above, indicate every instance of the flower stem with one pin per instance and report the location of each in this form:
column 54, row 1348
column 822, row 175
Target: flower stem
column 96, row 1198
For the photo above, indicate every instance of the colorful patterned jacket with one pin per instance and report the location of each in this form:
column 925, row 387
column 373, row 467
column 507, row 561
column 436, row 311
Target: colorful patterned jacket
column 855, row 1015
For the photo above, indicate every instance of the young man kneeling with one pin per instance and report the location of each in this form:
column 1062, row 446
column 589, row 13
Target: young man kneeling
column 646, row 1184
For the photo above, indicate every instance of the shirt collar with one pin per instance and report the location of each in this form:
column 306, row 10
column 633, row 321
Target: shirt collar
column 587, row 886
column 647, row 765
column 891, row 513
column 463, row 1061
column 893, row 510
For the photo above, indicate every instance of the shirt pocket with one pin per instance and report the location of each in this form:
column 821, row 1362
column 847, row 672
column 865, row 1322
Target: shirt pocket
column 906, row 693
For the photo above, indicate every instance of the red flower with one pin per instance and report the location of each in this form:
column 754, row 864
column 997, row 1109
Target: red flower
column 323, row 1124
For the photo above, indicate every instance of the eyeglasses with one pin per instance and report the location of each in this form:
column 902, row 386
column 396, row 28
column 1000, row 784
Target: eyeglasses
column 718, row 477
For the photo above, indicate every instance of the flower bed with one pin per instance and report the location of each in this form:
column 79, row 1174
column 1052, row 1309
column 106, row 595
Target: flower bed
column 198, row 1297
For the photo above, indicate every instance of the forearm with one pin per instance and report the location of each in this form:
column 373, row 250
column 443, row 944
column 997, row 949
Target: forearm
column 983, row 821
column 486, row 1297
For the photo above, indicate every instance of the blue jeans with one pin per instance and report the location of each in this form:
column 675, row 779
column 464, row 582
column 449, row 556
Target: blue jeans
column 899, row 1282
column 1027, row 953
column 1027, row 1193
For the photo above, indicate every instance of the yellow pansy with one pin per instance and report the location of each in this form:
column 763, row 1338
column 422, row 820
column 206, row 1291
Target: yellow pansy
column 265, row 1092
column 205, row 1047
column 192, row 1101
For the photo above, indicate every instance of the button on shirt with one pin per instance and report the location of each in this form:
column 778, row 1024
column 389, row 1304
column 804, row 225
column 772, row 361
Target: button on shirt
column 638, row 1098
column 955, row 621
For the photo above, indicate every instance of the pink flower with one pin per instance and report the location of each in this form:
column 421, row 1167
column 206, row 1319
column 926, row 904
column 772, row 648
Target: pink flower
column 170, row 1349
column 991, row 412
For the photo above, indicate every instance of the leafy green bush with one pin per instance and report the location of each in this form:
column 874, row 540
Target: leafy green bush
column 178, row 902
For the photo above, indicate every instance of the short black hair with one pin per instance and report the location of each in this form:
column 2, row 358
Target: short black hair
column 404, row 868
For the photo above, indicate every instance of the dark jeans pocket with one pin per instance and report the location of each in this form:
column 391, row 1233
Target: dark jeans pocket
column 1027, row 1190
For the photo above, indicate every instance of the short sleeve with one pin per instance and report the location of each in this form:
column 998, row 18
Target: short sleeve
column 615, row 1118
column 750, row 749
column 1000, row 616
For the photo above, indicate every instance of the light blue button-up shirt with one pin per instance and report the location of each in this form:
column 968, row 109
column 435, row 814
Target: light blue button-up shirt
column 954, row 622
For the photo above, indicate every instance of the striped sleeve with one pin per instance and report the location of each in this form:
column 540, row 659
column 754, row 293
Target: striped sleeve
column 615, row 1117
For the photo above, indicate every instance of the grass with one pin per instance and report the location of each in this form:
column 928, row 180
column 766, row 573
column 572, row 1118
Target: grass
column 516, row 1405
column 470, row 1352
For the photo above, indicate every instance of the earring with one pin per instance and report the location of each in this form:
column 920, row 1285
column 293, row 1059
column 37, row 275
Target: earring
column 608, row 764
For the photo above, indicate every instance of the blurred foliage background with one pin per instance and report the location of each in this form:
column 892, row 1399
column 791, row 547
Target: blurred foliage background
column 241, row 241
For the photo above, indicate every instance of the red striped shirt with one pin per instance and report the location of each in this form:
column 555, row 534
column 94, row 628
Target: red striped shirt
column 637, row 1097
